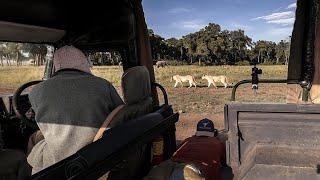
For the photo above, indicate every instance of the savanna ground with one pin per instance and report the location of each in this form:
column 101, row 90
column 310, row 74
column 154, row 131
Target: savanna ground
column 192, row 103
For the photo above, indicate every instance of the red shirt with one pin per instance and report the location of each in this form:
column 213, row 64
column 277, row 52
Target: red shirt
column 208, row 153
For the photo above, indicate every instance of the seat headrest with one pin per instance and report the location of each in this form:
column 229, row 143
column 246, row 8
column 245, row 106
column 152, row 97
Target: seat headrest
column 136, row 84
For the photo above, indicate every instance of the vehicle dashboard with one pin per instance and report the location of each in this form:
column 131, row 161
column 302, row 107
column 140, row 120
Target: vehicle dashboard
column 14, row 134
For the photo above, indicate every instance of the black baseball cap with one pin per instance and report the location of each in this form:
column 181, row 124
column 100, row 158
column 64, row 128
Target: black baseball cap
column 205, row 127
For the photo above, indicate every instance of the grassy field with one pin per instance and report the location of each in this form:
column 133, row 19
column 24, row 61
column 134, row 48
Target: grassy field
column 194, row 103
column 14, row 76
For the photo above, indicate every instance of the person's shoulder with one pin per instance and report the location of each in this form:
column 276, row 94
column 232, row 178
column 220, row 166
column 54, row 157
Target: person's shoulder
column 50, row 83
column 101, row 80
column 37, row 89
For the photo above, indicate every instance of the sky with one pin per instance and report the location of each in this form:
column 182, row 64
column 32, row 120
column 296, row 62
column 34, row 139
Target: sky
column 270, row 20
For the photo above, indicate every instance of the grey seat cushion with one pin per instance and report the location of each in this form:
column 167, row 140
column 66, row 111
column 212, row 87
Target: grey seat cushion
column 136, row 86
column 132, row 111
column 136, row 89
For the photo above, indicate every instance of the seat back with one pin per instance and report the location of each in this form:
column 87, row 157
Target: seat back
column 114, row 150
column 273, row 141
column 136, row 89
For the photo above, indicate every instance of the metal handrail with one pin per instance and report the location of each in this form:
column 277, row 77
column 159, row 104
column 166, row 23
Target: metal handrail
column 247, row 81
column 164, row 92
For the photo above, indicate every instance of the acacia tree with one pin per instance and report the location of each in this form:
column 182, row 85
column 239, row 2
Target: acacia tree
column 175, row 49
column 239, row 45
column 158, row 45
column 282, row 52
column 12, row 53
column 37, row 51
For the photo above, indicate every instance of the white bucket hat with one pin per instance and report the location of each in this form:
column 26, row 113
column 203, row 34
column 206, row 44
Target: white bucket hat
column 69, row 57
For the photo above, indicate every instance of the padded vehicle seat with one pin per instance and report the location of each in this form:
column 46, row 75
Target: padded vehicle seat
column 136, row 89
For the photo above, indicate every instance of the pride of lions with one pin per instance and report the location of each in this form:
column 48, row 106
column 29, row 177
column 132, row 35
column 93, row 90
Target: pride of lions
column 192, row 82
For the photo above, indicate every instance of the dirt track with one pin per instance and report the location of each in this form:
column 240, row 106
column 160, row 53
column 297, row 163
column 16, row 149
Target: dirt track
column 5, row 90
column 187, row 124
column 197, row 103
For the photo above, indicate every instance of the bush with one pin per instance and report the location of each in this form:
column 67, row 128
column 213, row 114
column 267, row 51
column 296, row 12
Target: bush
column 176, row 63
column 197, row 63
column 243, row 63
column 268, row 63
column 203, row 63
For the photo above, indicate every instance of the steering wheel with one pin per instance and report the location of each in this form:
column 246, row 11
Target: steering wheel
column 16, row 103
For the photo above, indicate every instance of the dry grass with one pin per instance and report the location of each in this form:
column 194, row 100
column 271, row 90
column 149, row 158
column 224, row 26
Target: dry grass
column 234, row 73
column 186, row 100
column 111, row 73
column 194, row 103
column 14, row 76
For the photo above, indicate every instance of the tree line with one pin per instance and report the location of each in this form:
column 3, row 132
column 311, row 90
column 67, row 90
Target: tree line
column 208, row 46
column 17, row 53
column 213, row 46
column 36, row 54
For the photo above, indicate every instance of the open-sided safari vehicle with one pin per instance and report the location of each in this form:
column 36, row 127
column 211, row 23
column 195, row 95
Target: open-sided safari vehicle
column 265, row 141
column 94, row 26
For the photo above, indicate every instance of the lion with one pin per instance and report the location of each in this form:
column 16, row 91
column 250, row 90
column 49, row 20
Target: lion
column 214, row 79
column 181, row 79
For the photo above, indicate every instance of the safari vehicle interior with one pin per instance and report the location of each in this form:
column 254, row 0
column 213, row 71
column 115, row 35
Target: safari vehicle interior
column 272, row 141
column 91, row 27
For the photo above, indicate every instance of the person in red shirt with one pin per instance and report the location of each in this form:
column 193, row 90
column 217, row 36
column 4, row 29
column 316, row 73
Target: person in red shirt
column 204, row 150
column 199, row 157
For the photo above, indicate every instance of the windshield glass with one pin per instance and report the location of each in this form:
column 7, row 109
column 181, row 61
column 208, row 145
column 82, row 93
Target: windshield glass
column 21, row 63
column 24, row 62
column 107, row 65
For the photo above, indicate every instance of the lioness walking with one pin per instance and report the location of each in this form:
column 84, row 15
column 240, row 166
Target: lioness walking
column 214, row 79
column 181, row 79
